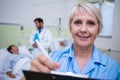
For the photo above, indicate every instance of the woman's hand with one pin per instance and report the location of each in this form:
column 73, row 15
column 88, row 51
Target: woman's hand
column 42, row 64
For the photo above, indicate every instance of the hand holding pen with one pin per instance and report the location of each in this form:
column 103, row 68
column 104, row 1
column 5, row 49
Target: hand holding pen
column 43, row 63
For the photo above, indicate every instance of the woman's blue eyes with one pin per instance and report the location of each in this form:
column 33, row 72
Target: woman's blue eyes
column 77, row 22
column 88, row 23
column 91, row 23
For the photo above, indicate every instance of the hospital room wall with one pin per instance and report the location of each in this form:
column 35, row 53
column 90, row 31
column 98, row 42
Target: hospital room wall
column 23, row 12
column 114, row 42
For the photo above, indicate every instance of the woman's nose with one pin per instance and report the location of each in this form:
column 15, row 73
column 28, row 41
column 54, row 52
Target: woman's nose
column 83, row 29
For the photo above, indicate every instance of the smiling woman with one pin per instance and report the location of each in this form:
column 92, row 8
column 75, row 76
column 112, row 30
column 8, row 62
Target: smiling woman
column 82, row 57
column 84, row 25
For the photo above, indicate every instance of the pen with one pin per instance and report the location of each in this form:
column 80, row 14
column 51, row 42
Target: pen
column 42, row 49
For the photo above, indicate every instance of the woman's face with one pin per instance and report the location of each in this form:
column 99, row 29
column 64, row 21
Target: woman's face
column 84, row 29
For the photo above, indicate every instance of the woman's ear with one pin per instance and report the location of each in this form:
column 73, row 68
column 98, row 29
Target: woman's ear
column 98, row 30
column 70, row 27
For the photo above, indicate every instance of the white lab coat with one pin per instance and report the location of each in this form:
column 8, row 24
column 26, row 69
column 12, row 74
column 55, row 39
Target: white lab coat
column 45, row 38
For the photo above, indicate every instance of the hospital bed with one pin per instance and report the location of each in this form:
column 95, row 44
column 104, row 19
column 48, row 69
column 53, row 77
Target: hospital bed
column 3, row 54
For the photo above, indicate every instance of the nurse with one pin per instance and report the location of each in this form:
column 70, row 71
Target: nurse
column 82, row 57
column 42, row 34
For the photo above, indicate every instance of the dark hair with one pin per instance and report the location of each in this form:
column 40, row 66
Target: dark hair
column 39, row 20
column 10, row 48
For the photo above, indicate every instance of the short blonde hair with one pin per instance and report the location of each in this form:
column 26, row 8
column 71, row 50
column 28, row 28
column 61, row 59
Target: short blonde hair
column 89, row 9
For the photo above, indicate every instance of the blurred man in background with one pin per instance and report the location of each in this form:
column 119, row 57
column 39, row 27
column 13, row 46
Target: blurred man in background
column 42, row 34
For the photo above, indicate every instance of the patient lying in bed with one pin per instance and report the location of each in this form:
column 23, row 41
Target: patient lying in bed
column 12, row 59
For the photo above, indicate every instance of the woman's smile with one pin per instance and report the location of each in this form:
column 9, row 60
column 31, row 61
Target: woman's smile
column 83, row 37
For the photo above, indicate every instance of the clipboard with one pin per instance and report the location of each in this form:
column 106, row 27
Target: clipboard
column 30, row 75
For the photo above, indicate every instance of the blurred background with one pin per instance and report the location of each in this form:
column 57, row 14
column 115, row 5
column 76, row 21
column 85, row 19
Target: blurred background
column 16, row 22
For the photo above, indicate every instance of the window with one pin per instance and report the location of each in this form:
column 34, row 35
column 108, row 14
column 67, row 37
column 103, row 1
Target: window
column 107, row 10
